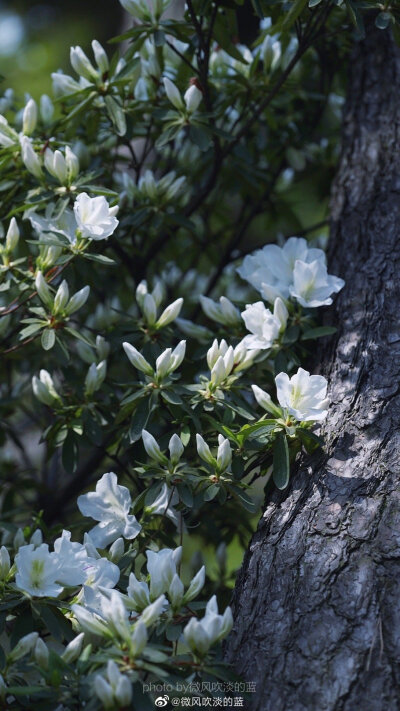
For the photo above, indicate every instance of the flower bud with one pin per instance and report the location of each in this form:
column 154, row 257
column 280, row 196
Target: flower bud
column 265, row 401
column 138, row 639
column 82, row 65
column 158, row 292
column 100, row 57
column 152, row 448
column 218, row 372
column 41, row 654
column 224, row 456
column 72, row 163
column 104, row 692
column 36, row 538
column 196, row 585
column 30, row 158
column 102, row 347
column 175, row 449
column 138, row 592
column 19, row 539
column 196, row 637
column 95, row 377
column 73, row 649
column 40, row 392
column 5, row 563
column 8, row 137
column 149, row 310
column 63, row 84
column 46, row 109
column 60, row 167
column 61, row 297
column 117, row 550
column 229, row 312
column 178, row 355
column 12, row 236
column 203, row 451
column 123, row 691
column 281, row 313
column 164, row 363
column 24, row 646
column 176, row 591
column 271, row 53
column 213, row 354
column 137, row 360
column 29, row 117
column 43, row 290
column 141, row 291
column 193, row 97
column 173, row 94
column 152, row 612
column 170, row 313
column 78, row 300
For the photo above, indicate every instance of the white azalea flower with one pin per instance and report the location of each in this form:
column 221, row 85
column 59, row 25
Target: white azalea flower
column 270, row 270
column 312, row 285
column 200, row 635
column 72, row 558
column 162, row 568
column 110, row 505
column 303, row 395
column 100, row 573
column 264, row 326
column 37, row 571
column 114, row 692
column 138, row 592
column 64, row 224
column 94, row 217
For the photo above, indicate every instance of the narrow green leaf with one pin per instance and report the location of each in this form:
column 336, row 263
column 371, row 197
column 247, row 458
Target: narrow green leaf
column 310, row 440
column 318, row 332
column 293, row 13
column 116, row 114
column 139, row 420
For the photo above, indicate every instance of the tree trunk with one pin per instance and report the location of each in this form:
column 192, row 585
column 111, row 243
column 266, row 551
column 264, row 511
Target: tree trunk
column 317, row 602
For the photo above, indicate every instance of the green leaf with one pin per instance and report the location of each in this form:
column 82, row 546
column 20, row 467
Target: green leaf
column 211, row 492
column 116, row 114
column 139, row 420
column 318, row 332
column 356, row 18
column 281, row 462
column 293, row 13
column 48, row 339
column 70, row 453
column 310, row 440
column 80, row 107
column 101, row 259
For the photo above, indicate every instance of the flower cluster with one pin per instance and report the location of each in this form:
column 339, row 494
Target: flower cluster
column 294, row 271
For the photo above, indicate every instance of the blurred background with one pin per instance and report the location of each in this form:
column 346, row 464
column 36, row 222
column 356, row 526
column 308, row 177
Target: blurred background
column 35, row 38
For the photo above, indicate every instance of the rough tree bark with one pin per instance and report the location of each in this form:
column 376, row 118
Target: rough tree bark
column 317, row 602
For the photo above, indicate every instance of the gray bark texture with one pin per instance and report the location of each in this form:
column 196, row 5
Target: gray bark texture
column 317, row 602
